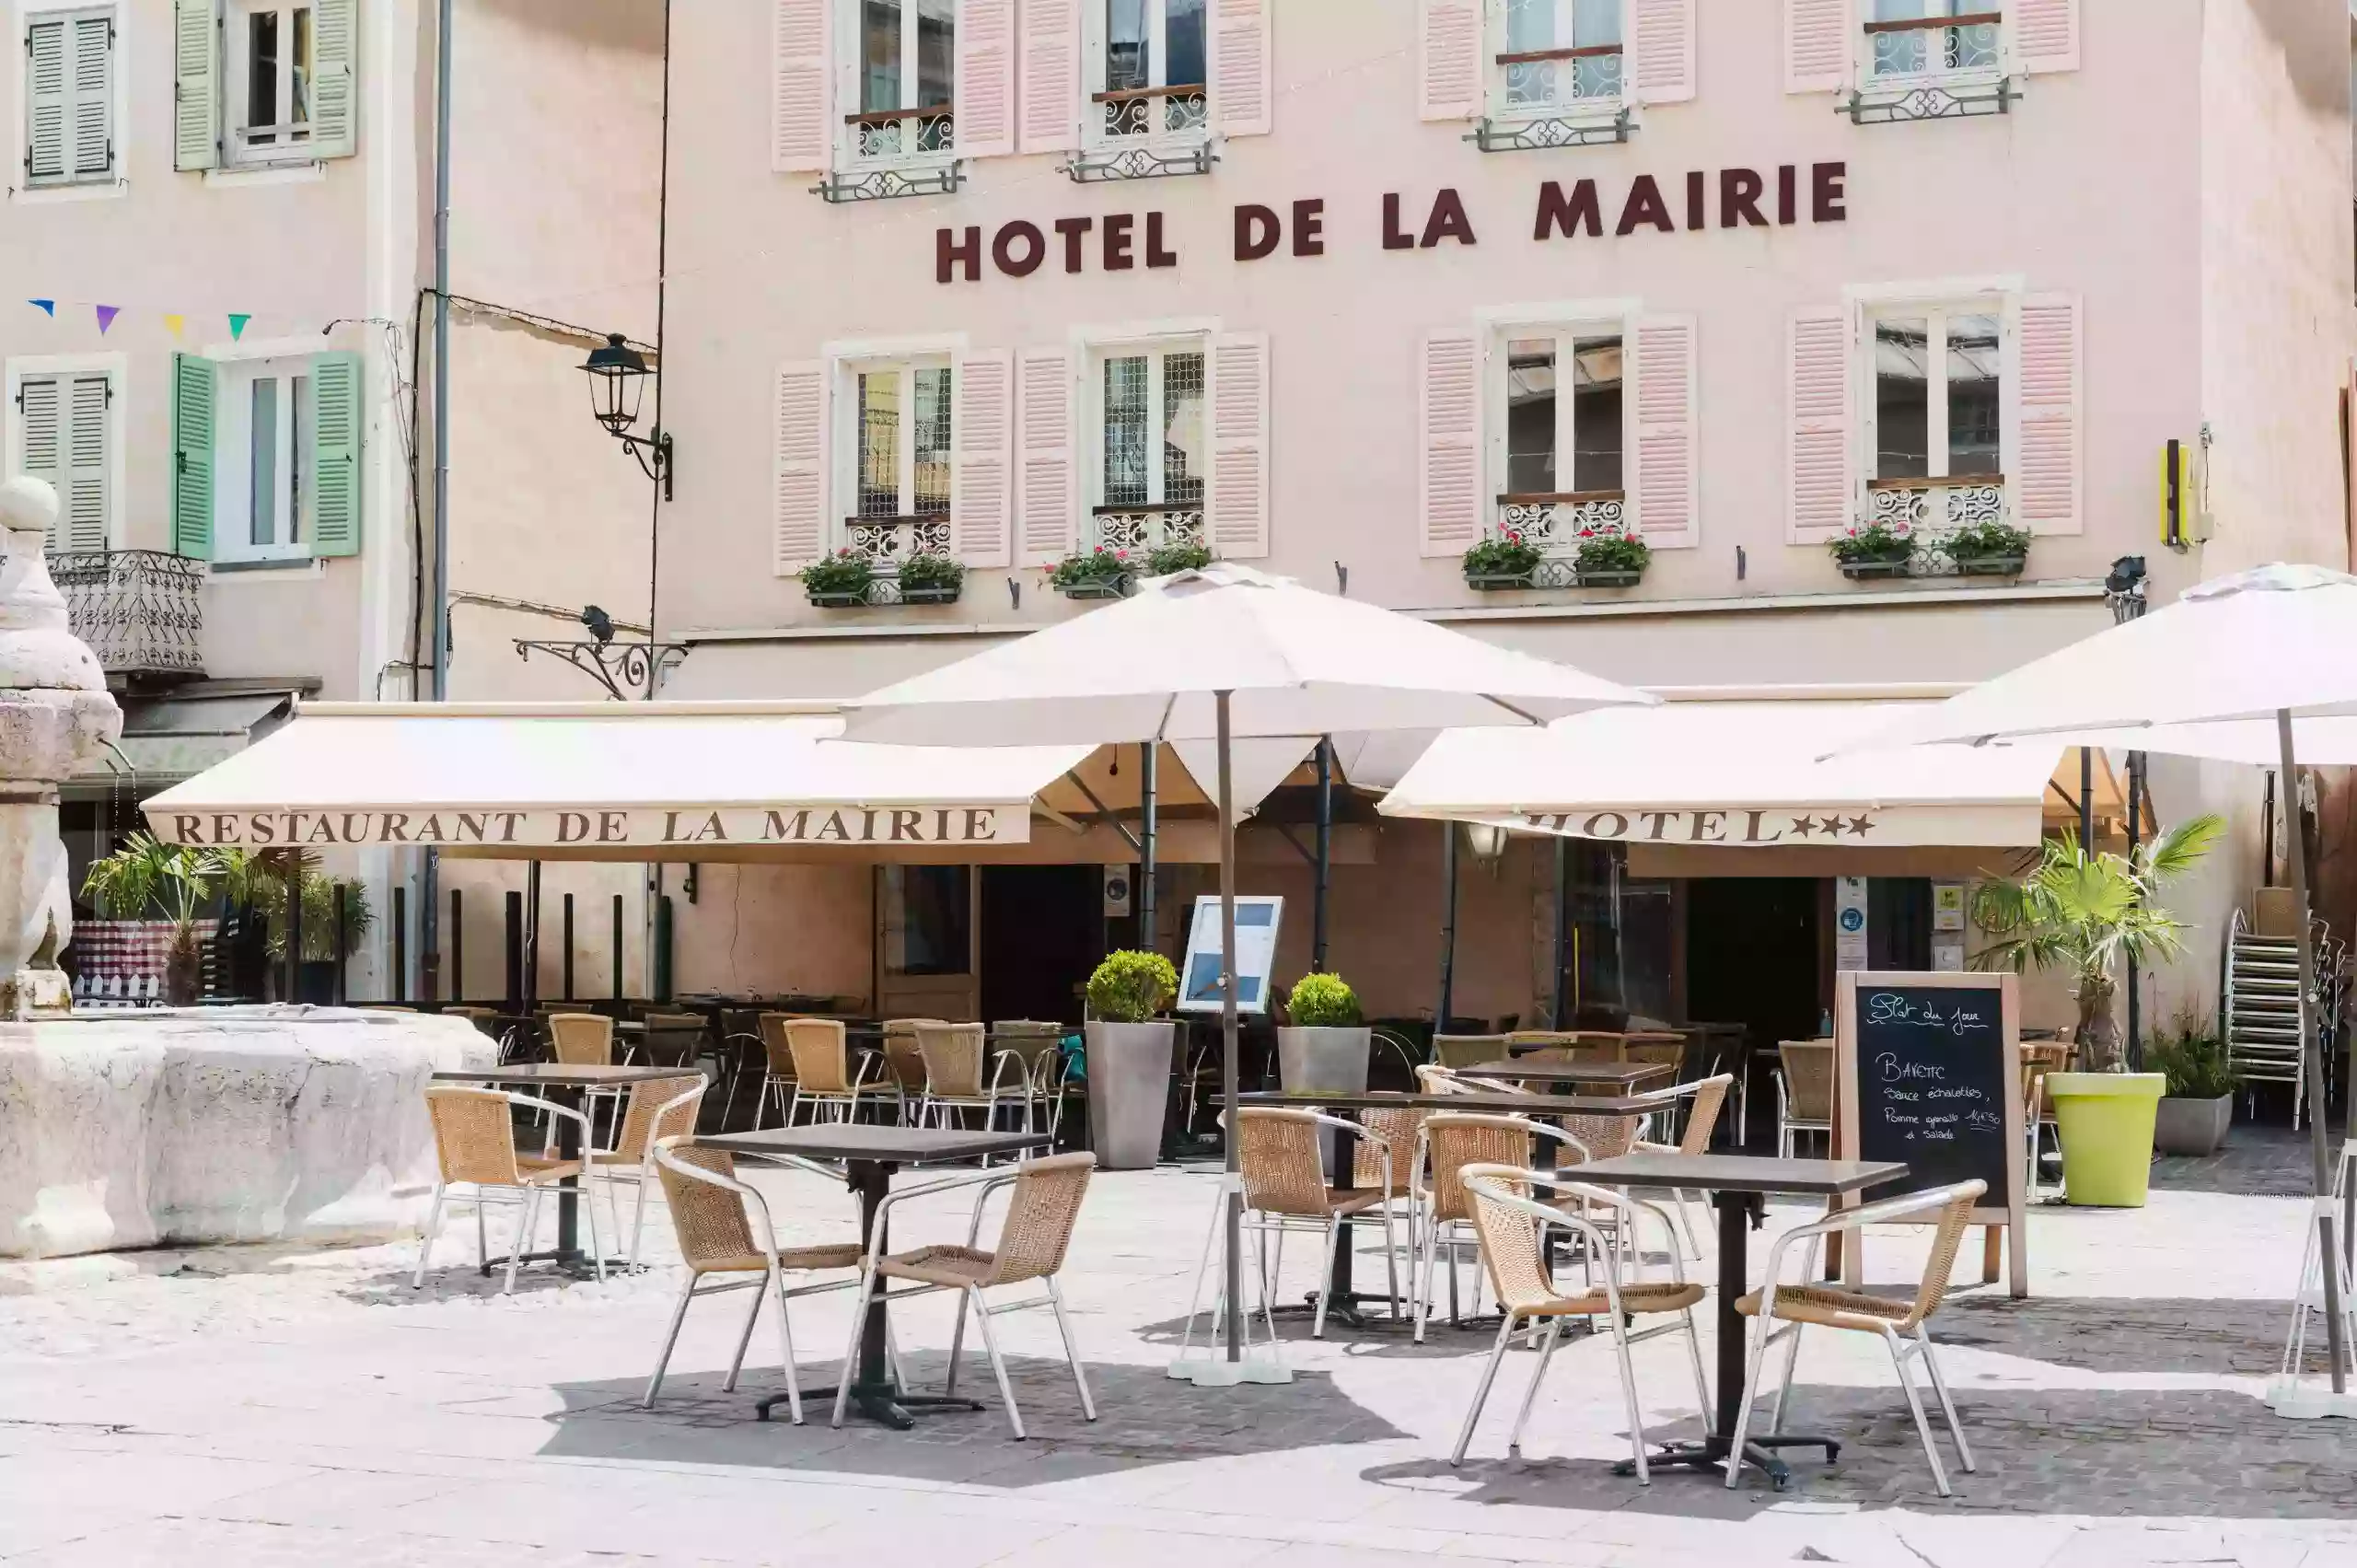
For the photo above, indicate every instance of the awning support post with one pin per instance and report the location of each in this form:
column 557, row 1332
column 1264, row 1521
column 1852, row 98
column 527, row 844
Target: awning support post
column 1324, row 863
column 1146, row 758
column 1562, row 944
column 1447, row 926
column 568, row 947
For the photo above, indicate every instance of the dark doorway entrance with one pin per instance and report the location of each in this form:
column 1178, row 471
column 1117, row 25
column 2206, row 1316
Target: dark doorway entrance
column 1042, row 933
column 1753, row 958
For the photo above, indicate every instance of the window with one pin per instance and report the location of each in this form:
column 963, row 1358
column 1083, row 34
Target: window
column 907, row 63
column 65, row 431
column 900, row 435
column 263, row 505
column 1149, row 71
column 69, row 97
column 1557, row 56
column 928, row 920
column 1914, row 40
column 1565, row 431
column 271, row 67
column 1151, row 448
column 1937, row 413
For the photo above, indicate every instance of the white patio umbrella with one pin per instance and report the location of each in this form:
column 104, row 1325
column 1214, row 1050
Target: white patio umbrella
column 1222, row 654
column 2276, row 644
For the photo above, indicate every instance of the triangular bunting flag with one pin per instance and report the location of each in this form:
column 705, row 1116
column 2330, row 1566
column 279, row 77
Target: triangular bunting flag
column 173, row 324
column 237, row 326
column 107, row 313
column 48, row 307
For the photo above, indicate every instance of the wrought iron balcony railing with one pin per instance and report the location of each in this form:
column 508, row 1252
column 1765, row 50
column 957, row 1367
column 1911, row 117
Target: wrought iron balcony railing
column 896, row 152
column 1554, row 524
column 1932, row 68
column 887, row 542
column 136, row 608
column 1146, row 133
column 1960, row 502
column 1555, row 97
column 1146, row 528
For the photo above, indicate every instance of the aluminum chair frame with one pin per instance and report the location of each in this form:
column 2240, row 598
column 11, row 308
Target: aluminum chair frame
column 859, row 1071
column 1489, row 1183
column 1438, row 1232
column 526, row 1192
column 1265, row 1223
column 940, row 1107
column 1764, row 1331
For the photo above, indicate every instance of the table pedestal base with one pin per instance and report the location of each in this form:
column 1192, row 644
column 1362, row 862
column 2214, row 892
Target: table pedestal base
column 880, row 1402
column 1710, row 1454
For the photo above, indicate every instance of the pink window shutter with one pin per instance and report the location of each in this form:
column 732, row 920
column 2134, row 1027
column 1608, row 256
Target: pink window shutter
column 1048, row 494
column 1238, row 520
column 1449, row 59
column 1817, row 42
column 985, row 78
column 1449, row 490
column 800, row 515
column 2052, row 418
column 1661, row 34
column 801, row 137
column 1664, row 431
column 2046, row 34
column 981, row 490
column 1049, row 99
column 1822, row 429
column 1242, row 69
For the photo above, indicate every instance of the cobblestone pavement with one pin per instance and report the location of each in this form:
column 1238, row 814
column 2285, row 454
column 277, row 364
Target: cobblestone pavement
column 286, row 1406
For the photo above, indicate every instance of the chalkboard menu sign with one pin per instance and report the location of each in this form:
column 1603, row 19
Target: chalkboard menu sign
column 1929, row 1075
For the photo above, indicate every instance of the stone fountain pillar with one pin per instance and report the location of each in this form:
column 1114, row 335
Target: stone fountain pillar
column 55, row 719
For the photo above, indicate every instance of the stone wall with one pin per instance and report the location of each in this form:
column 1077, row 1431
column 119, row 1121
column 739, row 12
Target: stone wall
column 237, row 1124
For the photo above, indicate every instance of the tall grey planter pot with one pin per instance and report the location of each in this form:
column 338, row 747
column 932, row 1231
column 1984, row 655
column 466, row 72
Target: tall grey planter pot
column 2191, row 1126
column 1128, row 1092
column 1327, row 1060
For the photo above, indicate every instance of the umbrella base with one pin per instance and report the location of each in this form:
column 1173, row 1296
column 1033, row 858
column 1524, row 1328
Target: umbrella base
column 2297, row 1399
column 1216, row 1373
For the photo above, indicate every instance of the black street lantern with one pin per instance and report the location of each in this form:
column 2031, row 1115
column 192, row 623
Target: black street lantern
column 618, row 375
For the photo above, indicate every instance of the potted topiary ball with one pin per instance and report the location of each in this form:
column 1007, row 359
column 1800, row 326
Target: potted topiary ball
column 1323, row 1047
column 1131, row 1052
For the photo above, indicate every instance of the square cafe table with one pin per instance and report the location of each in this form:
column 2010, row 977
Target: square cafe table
column 566, row 1085
column 870, row 1154
column 1738, row 1185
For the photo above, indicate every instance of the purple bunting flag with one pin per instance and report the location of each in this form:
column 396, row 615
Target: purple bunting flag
column 107, row 313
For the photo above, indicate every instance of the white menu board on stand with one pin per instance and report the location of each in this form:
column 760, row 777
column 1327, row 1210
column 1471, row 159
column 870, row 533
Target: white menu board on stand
column 1256, row 919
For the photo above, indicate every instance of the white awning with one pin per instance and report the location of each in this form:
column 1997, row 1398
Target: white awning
column 1735, row 773
column 644, row 780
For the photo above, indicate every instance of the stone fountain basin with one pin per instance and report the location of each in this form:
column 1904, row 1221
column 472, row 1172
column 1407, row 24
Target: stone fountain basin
column 195, row 1126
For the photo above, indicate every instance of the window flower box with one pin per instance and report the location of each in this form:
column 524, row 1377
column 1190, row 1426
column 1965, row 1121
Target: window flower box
column 1099, row 574
column 1989, row 550
column 839, row 581
column 1877, row 549
column 934, row 593
column 1611, row 577
column 1498, row 582
column 854, row 599
column 929, row 579
column 1990, row 565
column 1608, row 558
column 1505, row 560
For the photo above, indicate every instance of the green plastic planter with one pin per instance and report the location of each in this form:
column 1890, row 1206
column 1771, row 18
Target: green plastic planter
column 2105, row 1121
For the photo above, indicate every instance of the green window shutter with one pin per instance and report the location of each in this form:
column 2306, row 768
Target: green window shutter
column 40, row 414
column 192, row 455
column 82, row 500
column 333, row 445
column 196, row 88
column 93, row 105
column 335, row 34
column 47, row 134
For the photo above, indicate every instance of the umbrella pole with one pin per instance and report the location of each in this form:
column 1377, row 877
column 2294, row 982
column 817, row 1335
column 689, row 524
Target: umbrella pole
column 2311, row 1068
column 1232, row 1310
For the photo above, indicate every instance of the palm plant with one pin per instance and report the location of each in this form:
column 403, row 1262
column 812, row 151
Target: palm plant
column 178, row 881
column 2084, row 912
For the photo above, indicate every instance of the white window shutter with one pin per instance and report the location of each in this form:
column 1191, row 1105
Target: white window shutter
column 1449, row 489
column 799, row 516
column 93, row 107
column 1449, row 59
column 335, row 94
column 1817, row 41
column 1050, row 489
column 196, row 87
column 981, row 480
column 82, row 498
column 1662, row 32
column 40, row 416
column 2046, row 34
column 2051, row 414
column 1051, row 76
column 1238, row 526
column 1243, row 85
column 49, row 135
column 800, row 136
column 1821, row 435
column 1663, row 431
column 985, row 78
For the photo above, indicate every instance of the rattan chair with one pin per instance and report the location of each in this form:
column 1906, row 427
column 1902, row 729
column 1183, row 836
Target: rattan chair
column 657, row 1109
column 1803, row 1093
column 1032, row 1242
column 1447, row 1142
column 1431, row 1080
column 824, row 1077
column 777, row 1074
column 725, row 1231
column 955, row 1076
column 1512, row 1226
column 582, row 1040
column 2038, row 1112
column 1283, row 1167
column 1458, row 1052
column 904, row 1067
column 1038, row 1048
column 474, row 1145
column 1704, row 1098
column 1891, row 1318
